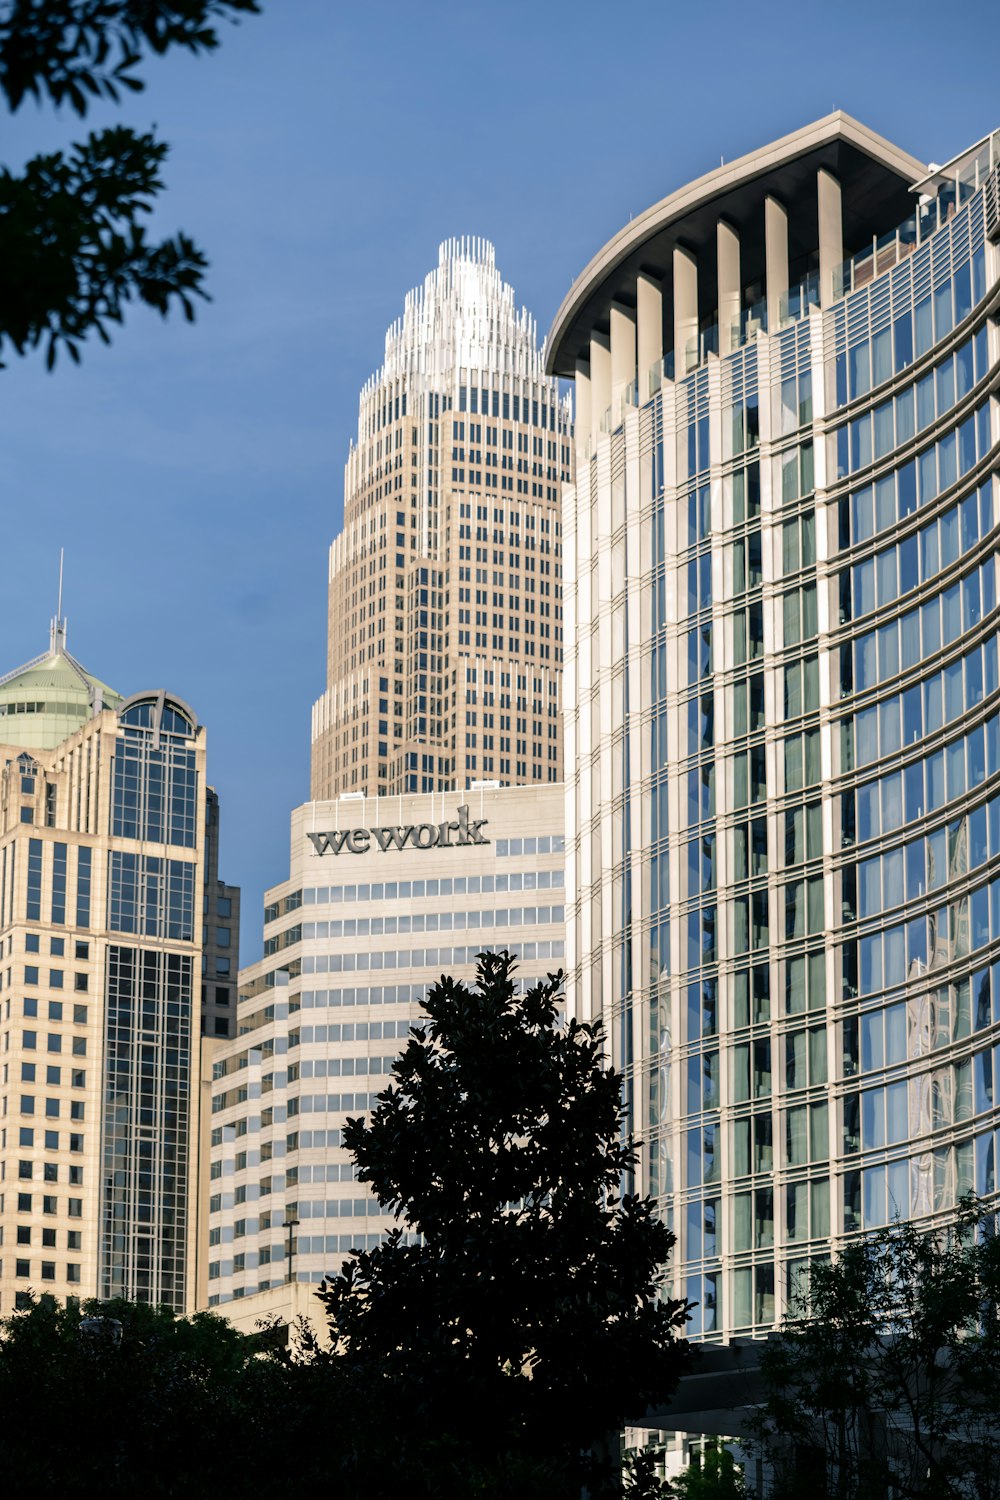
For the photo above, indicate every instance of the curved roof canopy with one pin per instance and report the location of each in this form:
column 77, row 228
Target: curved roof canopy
column 875, row 176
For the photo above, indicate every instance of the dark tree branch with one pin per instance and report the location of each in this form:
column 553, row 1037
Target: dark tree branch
column 74, row 250
column 77, row 51
column 72, row 243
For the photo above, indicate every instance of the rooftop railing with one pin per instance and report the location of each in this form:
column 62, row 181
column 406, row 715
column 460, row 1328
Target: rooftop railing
column 932, row 212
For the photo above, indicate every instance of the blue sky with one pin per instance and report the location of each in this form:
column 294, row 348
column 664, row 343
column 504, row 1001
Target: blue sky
column 195, row 474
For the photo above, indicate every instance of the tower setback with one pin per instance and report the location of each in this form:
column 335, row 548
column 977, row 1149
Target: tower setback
column 445, row 585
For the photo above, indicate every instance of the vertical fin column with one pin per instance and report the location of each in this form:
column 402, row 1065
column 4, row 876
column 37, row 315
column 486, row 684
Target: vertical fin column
column 775, row 259
column 685, row 311
column 649, row 332
column 600, row 384
column 730, row 299
column 584, row 408
column 622, row 360
column 831, row 233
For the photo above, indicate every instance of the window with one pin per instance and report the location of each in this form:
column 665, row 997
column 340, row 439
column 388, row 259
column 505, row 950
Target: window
column 83, row 879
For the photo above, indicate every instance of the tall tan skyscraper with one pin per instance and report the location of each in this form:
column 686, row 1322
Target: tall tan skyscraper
column 445, row 637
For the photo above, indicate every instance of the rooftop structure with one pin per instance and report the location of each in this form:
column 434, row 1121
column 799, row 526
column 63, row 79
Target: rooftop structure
column 445, row 602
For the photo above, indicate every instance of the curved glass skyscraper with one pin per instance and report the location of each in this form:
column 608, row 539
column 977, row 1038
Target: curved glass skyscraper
column 782, row 702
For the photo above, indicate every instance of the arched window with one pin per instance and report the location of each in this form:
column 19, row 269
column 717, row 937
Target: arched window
column 158, row 712
column 139, row 715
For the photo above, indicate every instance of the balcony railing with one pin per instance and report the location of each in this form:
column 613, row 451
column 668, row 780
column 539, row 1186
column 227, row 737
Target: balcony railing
column 931, row 213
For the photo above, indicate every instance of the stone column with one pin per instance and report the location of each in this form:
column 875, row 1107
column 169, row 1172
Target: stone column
column 649, row 326
column 582, row 414
column 685, row 311
column 831, row 233
column 622, row 358
column 730, row 286
column 600, row 383
column 776, row 259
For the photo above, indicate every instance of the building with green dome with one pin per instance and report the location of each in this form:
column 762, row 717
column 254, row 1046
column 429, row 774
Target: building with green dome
column 120, row 949
column 46, row 700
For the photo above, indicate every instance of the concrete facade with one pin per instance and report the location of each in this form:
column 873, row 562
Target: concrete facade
column 353, row 939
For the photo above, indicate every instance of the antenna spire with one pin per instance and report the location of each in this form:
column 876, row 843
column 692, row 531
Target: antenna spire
column 57, row 626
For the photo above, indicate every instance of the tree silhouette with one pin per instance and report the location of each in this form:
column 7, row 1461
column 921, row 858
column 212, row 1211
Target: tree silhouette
column 73, row 243
column 521, row 1312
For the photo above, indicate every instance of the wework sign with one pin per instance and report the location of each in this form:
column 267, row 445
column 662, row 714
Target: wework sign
column 403, row 836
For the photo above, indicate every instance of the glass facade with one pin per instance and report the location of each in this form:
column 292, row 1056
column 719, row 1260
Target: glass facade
column 155, row 792
column 146, row 1145
column 784, row 826
column 150, row 1007
column 119, row 937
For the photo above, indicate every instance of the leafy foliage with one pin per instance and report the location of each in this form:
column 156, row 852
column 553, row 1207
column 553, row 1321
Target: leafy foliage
column 524, row 1314
column 712, row 1475
column 72, row 241
column 887, row 1379
column 135, row 1402
column 74, row 252
column 640, row 1480
column 68, row 49
column 522, row 1328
